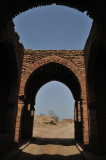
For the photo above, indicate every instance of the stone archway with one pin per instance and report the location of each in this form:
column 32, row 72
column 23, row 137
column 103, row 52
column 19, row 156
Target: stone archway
column 39, row 69
column 9, row 9
column 12, row 9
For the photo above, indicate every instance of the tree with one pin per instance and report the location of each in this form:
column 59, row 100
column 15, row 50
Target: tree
column 52, row 113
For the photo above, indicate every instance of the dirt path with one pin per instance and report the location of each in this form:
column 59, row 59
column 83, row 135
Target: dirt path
column 59, row 145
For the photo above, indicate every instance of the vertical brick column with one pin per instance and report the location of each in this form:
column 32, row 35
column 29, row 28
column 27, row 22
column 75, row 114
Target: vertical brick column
column 76, row 120
column 28, row 121
column 79, row 110
column 93, row 132
column 75, row 112
column 80, row 121
column 85, row 124
column 18, row 120
column 31, row 120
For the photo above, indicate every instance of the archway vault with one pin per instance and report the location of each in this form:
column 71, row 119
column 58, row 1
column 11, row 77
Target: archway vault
column 21, row 6
column 67, row 61
column 48, row 72
column 40, row 67
column 97, row 11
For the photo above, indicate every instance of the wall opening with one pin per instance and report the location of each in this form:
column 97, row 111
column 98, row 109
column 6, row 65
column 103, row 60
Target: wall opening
column 53, row 27
column 46, row 73
column 54, row 112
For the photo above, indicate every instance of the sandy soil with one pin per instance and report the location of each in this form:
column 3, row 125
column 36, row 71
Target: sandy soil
column 50, row 149
column 60, row 130
column 52, row 142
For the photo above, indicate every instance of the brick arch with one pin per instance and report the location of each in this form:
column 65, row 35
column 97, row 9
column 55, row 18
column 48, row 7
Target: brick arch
column 33, row 61
column 32, row 67
column 13, row 9
column 51, row 69
column 26, row 5
column 56, row 80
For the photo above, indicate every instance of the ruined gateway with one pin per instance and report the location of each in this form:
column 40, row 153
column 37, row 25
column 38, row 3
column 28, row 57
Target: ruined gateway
column 15, row 106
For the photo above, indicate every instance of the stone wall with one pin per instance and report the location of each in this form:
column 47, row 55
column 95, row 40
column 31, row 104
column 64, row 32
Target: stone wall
column 34, row 59
column 96, row 101
column 71, row 63
column 95, row 65
column 11, row 52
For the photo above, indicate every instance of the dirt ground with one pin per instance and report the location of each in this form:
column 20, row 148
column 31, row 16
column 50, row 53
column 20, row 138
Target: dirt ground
column 44, row 129
column 50, row 149
column 60, row 130
column 51, row 142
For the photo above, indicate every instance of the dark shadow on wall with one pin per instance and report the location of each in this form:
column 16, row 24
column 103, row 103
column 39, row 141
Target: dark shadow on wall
column 96, row 80
column 8, row 94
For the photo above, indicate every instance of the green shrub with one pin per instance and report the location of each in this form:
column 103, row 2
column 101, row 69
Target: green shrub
column 52, row 122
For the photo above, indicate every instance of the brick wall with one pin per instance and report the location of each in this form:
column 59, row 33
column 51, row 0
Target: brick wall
column 73, row 60
column 95, row 55
column 11, row 52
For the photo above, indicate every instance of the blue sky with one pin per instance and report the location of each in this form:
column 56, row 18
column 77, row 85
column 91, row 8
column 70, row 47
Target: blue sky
column 55, row 96
column 53, row 28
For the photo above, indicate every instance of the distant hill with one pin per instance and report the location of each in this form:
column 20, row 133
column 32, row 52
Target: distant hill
column 42, row 119
column 67, row 120
column 38, row 119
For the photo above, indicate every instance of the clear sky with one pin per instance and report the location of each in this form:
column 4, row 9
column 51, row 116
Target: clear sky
column 55, row 96
column 59, row 28
column 53, row 27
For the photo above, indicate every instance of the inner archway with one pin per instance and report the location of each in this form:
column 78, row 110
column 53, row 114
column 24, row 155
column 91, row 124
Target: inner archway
column 96, row 11
column 54, row 112
column 51, row 71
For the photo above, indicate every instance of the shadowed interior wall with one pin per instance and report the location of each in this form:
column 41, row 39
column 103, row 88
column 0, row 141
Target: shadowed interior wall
column 10, row 72
column 97, row 11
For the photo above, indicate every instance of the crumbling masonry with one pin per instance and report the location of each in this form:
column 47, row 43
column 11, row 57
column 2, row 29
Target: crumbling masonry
column 86, row 70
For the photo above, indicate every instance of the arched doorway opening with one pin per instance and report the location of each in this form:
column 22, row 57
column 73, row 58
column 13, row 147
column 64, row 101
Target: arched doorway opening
column 22, row 97
column 53, row 27
column 96, row 11
column 54, row 110
column 39, row 77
